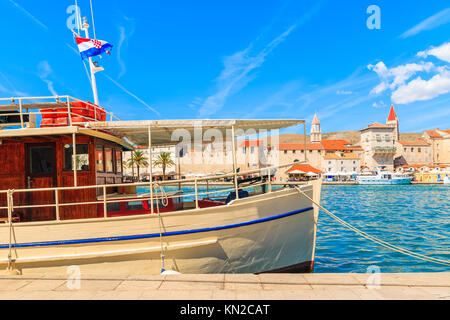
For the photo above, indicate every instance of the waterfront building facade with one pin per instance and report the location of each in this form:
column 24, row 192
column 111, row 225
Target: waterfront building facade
column 440, row 145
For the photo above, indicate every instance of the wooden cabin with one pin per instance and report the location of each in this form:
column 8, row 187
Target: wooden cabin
column 33, row 158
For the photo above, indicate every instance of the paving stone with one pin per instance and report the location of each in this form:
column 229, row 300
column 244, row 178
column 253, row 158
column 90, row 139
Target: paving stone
column 93, row 285
column 130, row 285
column 38, row 285
column 12, row 284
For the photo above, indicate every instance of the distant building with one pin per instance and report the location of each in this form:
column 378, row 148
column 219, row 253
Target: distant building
column 340, row 162
column 378, row 143
column 440, row 145
column 413, row 152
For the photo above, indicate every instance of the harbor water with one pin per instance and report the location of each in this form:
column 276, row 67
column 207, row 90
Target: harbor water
column 414, row 217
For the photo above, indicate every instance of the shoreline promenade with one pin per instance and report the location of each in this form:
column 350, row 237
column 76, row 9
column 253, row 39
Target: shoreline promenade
column 316, row 286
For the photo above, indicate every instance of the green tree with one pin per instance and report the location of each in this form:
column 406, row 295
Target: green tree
column 137, row 159
column 164, row 160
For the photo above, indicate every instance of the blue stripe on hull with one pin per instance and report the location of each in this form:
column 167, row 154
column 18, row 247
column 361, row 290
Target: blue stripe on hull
column 153, row 235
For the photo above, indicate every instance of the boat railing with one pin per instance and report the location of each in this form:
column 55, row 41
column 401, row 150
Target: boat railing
column 104, row 198
column 50, row 107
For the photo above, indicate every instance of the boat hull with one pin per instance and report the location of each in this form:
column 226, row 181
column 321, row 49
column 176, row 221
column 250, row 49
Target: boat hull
column 272, row 232
column 385, row 182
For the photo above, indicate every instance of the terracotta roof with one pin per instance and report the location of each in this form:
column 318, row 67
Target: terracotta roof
column 335, row 144
column 414, row 143
column 250, row 143
column 300, row 146
column 348, row 156
column 392, row 116
column 304, row 168
column 448, row 130
column 376, row 125
column 433, row 134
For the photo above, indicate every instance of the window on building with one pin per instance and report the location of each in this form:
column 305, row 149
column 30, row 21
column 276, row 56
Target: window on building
column 419, row 150
column 310, row 151
column 293, row 151
column 412, row 149
column 404, row 149
column 378, row 138
column 386, row 137
column 285, row 151
column 82, row 157
column 244, row 150
column 329, row 162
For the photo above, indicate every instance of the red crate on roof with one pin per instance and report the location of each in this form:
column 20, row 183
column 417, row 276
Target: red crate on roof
column 48, row 113
column 47, row 122
column 79, row 107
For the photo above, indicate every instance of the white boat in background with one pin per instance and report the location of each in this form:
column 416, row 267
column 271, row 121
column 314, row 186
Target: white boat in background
column 384, row 177
column 446, row 180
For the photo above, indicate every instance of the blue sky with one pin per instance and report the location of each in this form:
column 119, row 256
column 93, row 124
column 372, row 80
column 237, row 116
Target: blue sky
column 240, row 59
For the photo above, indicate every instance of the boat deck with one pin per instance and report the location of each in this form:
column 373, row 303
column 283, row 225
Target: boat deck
column 318, row 286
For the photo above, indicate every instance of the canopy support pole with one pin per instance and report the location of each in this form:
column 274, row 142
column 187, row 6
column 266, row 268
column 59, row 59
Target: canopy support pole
column 150, row 170
column 233, row 148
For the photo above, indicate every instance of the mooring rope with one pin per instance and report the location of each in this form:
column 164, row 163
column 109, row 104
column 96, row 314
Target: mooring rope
column 376, row 240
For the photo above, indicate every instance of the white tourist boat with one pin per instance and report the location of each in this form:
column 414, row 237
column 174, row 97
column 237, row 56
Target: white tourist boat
column 384, row 177
column 63, row 201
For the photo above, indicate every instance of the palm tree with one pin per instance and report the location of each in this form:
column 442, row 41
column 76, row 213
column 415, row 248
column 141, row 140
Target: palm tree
column 164, row 160
column 137, row 158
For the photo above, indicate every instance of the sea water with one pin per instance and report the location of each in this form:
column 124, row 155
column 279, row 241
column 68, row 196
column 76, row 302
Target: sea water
column 413, row 217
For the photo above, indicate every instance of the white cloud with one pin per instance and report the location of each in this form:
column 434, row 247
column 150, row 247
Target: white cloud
column 432, row 22
column 419, row 89
column 442, row 52
column 44, row 71
column 395, row 77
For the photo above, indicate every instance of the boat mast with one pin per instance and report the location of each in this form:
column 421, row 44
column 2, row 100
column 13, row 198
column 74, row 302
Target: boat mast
column 92, row 67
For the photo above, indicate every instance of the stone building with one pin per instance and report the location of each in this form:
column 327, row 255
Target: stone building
column 440, row 145
column 413, row 152
column 341, row 162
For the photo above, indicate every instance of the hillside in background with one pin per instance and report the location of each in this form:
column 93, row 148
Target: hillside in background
column 351, row 136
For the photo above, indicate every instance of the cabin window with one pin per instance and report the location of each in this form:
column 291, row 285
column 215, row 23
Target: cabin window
column 112, row 207
column 41, row 160
column 99, row 162
column 109, row 160
column 82, row 157
column 134, row 205
column 118, row 161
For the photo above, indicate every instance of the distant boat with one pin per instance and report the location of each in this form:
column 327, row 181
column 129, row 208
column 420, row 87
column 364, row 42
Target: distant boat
column 446, row 180
column 384, row 177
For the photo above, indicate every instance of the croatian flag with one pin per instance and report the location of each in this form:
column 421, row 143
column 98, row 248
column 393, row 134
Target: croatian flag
column 91, row 47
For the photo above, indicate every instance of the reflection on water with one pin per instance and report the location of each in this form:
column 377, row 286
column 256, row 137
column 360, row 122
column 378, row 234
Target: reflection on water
column 414, row 217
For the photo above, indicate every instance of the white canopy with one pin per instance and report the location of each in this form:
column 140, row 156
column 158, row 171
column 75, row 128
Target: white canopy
column 165, row 131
